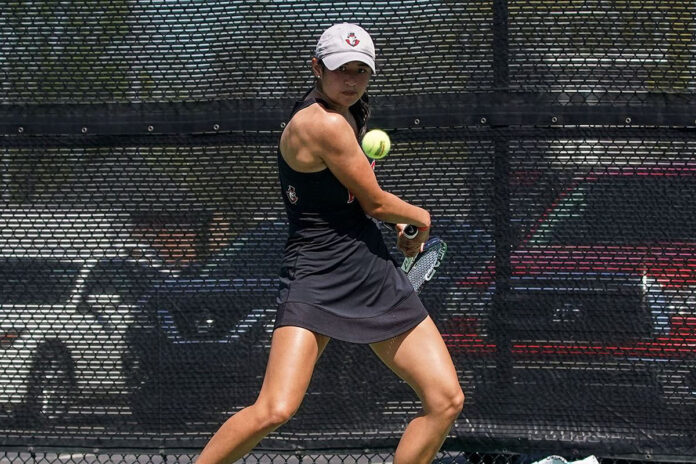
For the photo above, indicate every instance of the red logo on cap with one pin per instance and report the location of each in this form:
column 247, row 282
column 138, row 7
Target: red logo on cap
column 352, row 40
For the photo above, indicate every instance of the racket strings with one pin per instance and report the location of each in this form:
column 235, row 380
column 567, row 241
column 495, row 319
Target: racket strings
column 423, row 267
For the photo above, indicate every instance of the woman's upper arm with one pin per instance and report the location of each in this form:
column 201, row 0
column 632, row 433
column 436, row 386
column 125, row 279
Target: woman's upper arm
column 337, row 146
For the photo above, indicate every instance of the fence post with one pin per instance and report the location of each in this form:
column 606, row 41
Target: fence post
column 501, row 203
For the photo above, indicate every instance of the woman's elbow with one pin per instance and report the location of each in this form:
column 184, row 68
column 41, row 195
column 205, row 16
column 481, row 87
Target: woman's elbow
column 379, row 205
column 373, row 209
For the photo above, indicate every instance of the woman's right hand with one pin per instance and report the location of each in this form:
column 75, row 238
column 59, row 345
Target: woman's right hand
column 410, row 246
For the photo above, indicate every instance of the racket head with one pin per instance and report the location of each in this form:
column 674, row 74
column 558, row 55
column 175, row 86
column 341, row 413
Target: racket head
column 421, row 268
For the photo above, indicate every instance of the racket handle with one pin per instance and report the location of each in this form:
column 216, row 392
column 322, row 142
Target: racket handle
column 410, row 231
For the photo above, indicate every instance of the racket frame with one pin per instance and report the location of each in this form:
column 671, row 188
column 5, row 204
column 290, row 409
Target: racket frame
column 408, row 262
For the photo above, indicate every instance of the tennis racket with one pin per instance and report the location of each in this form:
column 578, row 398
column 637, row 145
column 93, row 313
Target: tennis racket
column 421, row 268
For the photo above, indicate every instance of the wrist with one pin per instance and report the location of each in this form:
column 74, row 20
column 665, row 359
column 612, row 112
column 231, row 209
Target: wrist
column 426, row 223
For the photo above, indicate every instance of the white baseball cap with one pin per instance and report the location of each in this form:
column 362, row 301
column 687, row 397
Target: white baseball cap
column 343, row 43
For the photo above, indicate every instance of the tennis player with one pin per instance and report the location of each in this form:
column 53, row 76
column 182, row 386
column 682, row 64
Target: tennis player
column 337, row 279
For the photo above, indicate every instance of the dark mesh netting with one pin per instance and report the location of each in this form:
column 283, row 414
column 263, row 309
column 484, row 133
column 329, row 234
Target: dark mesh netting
column 142, row 225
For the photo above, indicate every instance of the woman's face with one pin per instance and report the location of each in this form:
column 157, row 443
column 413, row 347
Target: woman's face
column 346, row 84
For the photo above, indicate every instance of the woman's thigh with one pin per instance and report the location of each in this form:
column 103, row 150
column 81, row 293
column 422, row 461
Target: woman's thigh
column 294, row 353
column 421, row 359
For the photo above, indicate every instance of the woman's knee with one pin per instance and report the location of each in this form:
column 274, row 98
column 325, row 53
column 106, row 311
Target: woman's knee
column 446, row 402
column 276, row 413
column 458, row 402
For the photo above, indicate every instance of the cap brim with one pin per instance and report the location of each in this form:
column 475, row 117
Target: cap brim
column 333, row 61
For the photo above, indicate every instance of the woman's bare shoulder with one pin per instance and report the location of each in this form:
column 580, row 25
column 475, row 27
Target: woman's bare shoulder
column 312, row 134
column 317, row 120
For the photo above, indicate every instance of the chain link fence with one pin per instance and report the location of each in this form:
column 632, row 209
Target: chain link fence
column 142, row 225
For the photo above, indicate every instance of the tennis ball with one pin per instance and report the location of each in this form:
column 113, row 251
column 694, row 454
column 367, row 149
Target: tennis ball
column 376, row 144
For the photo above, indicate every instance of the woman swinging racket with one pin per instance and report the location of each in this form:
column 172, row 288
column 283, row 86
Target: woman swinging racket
column 337, row 279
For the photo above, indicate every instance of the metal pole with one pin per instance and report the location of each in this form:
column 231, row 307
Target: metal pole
column 501, row 205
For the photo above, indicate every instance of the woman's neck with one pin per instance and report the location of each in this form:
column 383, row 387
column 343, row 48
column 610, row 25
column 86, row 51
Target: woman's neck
column 344, row 111
column 318, row 93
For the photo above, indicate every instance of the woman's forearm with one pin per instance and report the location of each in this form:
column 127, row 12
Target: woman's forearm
column 390, row 208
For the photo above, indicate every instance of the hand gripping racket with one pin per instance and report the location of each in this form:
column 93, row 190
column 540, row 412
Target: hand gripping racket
column 421, row 268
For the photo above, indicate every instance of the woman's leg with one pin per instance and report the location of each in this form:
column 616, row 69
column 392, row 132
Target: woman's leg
column 420, row 357
column 294, row 352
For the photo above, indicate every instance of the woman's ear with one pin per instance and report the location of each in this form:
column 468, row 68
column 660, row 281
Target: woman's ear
column 316, row 67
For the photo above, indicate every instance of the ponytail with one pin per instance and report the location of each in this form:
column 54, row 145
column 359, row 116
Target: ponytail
column 361, row 112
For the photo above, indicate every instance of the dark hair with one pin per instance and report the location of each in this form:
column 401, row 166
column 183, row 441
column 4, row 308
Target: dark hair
column 360, row 110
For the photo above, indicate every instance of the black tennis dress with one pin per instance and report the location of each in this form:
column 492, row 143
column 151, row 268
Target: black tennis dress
column 337, row 277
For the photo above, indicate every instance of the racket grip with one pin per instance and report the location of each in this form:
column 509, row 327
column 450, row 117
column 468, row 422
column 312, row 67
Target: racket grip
column 410, row 231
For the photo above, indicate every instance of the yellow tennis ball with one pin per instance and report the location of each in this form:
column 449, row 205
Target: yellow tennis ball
column 376, row 144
